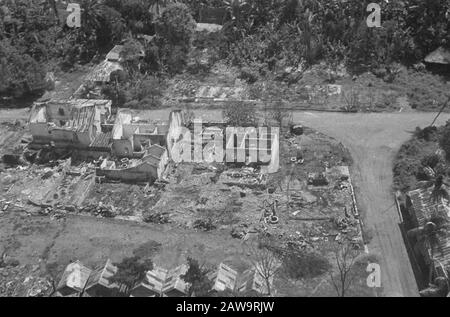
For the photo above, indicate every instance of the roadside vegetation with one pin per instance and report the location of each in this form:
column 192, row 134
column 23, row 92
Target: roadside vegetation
column 424, row 158
column 267, row 41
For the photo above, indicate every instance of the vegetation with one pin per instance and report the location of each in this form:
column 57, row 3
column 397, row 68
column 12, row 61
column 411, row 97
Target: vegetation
column 197, row 277
column 345, row 274
column 444, row 140
column 261, row 37
column 264, row 256
column 239, row 114
column 131, row 271
column 420, row 158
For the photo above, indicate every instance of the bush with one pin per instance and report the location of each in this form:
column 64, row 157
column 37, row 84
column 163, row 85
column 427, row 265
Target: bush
column 431, row 160
column 197, row 277
column 239, row 114
column 20, row 74
column 176, row 25
column 131, row 271
column 427, row 134
column 248, row 75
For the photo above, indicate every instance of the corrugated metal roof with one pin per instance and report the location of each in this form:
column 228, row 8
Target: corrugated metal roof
column 114, row 54
column 424, row 209
column 439, row 56
column 174, row 282
column 103, row 277
column 153, row 282
column 224, row 278
column 102, row 72
column 102, row 141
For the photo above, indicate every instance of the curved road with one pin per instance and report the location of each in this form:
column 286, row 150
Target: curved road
column 374, row 140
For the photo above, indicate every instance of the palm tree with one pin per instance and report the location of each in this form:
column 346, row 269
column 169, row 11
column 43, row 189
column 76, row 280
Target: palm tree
column 440, row 190
column 92, row 14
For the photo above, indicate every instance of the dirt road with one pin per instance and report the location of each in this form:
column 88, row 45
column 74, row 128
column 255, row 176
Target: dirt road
column 373, row 140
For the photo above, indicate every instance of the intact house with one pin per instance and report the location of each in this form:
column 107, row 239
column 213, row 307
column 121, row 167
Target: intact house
column 70, row 124
column 427, row 224
column 101, row 73
column 160, row 282
column 73, row 280
column 174, row 285
column 224, row 278
column 252, row 281
column 100, row 284
column 152, row 284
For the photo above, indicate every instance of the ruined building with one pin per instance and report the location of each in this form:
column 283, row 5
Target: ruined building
column 70, row 124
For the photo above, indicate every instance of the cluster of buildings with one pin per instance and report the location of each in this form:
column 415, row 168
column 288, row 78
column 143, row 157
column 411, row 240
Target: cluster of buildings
column 131, row 148
column 136, row 146
column 81, row 281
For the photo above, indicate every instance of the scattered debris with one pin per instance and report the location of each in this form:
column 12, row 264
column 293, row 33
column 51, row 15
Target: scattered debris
column 204, row 224
column 100, row 210
column 157, row 218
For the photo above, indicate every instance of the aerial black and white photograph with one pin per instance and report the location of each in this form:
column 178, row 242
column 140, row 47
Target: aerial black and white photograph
column 224, row 155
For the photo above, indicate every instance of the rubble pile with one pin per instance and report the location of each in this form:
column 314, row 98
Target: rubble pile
column 204, row 224
column 100, row 210
column 24, row 281
column 157, row 218
column 244, row 178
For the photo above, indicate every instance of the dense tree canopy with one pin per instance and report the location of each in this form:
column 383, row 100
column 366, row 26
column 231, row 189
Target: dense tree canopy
column 262, row 33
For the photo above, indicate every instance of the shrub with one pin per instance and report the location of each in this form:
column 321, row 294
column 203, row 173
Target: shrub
column 20, row 74
column 427, row 134
column 176, row 25
column 431, row 160
column 239, row 114
column 132, row 270
column 248, row 75
column 197, row 277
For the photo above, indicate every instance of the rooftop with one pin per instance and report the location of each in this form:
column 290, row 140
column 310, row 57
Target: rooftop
column 103, row 71
column 424, row 209
column 75, row 277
